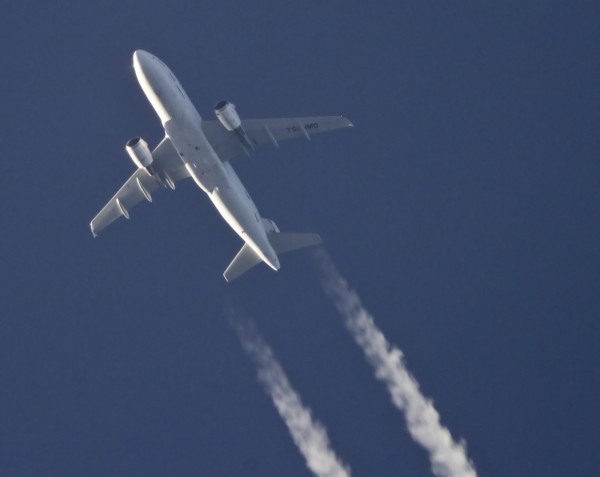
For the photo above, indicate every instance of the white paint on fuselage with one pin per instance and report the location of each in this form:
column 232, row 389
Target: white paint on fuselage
column 182, row 125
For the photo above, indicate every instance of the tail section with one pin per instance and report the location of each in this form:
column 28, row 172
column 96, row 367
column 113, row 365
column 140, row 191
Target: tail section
column 243, row 261
column 286, row 242
column 281, row 243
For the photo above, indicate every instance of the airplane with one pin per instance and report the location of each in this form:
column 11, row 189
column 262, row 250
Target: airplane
column 202, row 149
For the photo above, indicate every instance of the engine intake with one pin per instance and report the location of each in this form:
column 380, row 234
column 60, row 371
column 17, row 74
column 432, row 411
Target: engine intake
column 227, row 115
column 229, row 118
column 140, row 154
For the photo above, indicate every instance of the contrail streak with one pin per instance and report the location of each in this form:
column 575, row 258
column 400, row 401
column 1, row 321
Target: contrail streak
column 448, row 458
column 308, row 434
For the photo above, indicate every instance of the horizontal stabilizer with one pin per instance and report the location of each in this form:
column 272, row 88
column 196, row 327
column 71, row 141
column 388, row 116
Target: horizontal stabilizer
column 281, row 243
column 243, row 261
column 286, row 242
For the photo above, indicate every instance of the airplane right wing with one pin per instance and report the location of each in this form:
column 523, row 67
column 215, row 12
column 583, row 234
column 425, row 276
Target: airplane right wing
column 265, row 131
column 141, row 185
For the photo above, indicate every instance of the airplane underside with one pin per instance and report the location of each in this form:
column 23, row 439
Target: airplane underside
column 202, row 150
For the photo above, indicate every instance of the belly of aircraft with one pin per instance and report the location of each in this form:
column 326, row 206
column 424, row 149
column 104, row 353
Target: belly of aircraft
column 221, row 184
column 196, row 153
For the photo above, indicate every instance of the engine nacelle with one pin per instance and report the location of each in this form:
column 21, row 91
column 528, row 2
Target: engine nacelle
column 227, row 115
column 139, row 152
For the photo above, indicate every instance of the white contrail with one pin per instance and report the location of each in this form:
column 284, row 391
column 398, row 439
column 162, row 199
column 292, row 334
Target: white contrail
column 448, row 458
column 308, row 434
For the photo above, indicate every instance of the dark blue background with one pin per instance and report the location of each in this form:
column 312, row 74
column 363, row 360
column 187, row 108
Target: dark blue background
column 463, row 207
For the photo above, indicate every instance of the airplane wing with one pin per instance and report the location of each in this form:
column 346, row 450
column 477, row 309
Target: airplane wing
column 268, row 131
column 141, row 185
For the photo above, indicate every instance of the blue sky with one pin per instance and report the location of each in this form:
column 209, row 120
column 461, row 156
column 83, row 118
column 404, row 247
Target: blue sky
column 463, row 209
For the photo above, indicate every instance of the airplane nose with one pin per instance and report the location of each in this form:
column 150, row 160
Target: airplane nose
column 139, row 58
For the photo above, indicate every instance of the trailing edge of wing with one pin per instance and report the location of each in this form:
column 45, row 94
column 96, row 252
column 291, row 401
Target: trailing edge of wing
column 140, row 186
column 137, row 188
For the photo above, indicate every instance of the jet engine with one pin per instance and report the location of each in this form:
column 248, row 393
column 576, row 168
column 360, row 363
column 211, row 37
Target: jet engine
column 229, row 118
column 227, row 115
column 140, row 154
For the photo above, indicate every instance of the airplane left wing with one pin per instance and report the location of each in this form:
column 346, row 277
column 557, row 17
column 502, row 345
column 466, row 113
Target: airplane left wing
column 169, row 169
column 268, row 131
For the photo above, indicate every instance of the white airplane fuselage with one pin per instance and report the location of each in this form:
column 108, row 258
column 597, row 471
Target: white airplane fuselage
column 182, row 125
